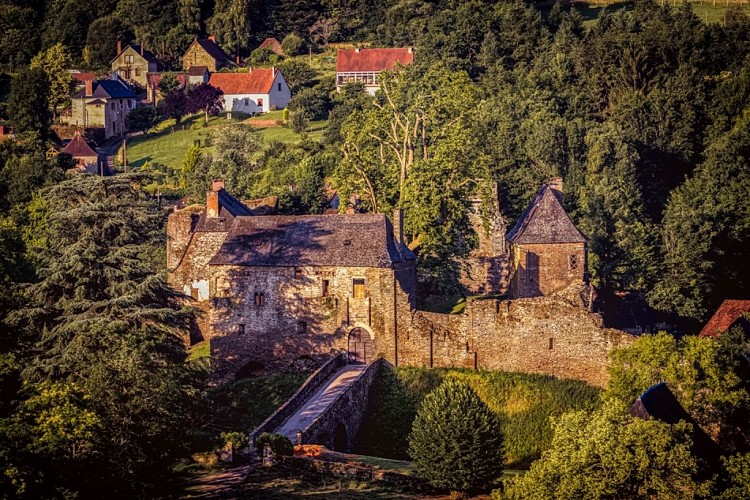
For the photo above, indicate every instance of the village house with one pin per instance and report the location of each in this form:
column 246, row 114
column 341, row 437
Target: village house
column 547, row 252
column 364, row 65
column 273, row 45
column 258, row 91
column 134, row 63
column 101, row 104
column 205, row 52
column 87, row 160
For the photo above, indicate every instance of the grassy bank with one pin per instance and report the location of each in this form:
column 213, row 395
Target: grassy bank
column 524, row 404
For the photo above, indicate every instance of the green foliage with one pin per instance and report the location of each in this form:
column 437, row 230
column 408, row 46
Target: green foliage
column 297, row 73
column 262, row 57
column 280, row 445
column 55, row 62
column 706, row 376
column 293, row 45
column 737, row 468
column 611, row 455
column 28, row 103
column 313, row 103
column 101, row 40
column 522, row 403
column 142, row 119
column 168, row 83
column 455, row 441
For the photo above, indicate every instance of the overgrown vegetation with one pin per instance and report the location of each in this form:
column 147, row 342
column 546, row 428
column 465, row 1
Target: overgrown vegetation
column 522, row 403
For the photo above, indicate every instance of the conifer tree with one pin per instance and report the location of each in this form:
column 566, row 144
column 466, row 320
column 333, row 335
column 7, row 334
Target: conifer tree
column 455, row 441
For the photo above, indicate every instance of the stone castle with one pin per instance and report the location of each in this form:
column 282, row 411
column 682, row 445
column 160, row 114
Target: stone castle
column 276, row 289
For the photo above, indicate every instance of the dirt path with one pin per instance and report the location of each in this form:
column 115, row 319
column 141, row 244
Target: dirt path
column 225, row 484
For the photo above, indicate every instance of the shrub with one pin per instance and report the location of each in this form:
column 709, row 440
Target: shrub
column 455, row 441
column 280, row 445
column 297, row 73
column 238, row 440
column 310, row 101
column 293, row 45
column 260, row 57
column 298, row 121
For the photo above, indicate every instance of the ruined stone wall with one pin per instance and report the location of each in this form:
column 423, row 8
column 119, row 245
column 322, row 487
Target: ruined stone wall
column 543, row 269
column 294, row 317
column 486, row 268
column 546, row 335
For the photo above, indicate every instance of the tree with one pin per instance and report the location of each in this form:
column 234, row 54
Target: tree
column 293, row 45
column 168, row 83
column 189, row 164
column 230, row 24
column 28, row 103
column 190, row 15
column 455, row 441
column 142, row 118
column 175, row 105
column 23, row 175
column 611, row 455
column 322, row 30
column 312, row 102
column 237, row 143
column 115, row 329
column 297, row 73
column 101, row 40
column 205, row 98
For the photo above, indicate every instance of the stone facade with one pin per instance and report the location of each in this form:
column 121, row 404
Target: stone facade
column 133, row 64
column 205, row 52
column 101, row 104
column 486, row 270
column 279, row 288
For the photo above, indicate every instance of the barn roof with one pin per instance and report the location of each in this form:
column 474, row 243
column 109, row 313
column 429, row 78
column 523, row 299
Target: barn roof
column 361, row 240
column 725, row 317
column 355, row 60
column 257, row 81
column 79, row 148
column 545, row 221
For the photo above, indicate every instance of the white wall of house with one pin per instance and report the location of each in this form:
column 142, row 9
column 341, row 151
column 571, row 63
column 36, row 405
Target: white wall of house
column 278, row 97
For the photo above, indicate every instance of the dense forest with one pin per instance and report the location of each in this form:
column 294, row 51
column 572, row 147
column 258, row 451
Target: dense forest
column 645, row 113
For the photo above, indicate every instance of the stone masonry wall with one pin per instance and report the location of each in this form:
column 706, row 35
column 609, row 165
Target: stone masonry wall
column 197, row 56
column 546, row 335
column 543, row 269
column 294, row 318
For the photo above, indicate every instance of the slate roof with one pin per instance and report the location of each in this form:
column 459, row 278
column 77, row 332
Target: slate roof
column 356, row 60
column 257, row 81
column 79, row 148
column 229, row 208
column 728, row 313
column 362, row 240
column 108, row 89
column 213, row 49
column 545, row 221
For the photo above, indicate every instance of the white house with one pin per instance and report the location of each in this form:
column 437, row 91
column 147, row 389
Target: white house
column 258, row 91
column 364, row 65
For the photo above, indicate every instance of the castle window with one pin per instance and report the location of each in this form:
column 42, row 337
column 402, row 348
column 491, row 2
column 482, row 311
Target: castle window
column 358, row 288
column 573, row 262
column 260, row 298
column 551, row 343
column 241, row 329
column 297, row 273
column 326, row 288
column 302, row 327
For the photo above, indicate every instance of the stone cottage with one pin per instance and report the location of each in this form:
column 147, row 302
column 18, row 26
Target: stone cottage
column 205, row 52
column 134, row 63
column 277, row 288
column 101, row 104
column 547, row 252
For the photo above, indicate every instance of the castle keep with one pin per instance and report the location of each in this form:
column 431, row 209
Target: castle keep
column 276, row 289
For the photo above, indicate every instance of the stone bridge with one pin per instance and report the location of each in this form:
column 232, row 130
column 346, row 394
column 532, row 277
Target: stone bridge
column 329, row 407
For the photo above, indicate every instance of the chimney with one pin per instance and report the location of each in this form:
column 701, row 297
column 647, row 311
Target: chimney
column 141, row 50
column 217, row 184
column 212, row 198
column 411, row 50
column 89, row 87
column 237, row 60
column 212, row 38
column 119, row 47
column 356, row 50
column 398, row 226
column 556, row 183
column 275, row 71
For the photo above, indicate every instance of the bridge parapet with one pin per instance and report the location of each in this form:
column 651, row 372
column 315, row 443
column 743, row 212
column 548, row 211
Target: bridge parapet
column 294, row 403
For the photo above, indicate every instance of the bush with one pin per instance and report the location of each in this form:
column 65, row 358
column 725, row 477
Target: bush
column 293, row 45
column 262, row 56
column 455, row 441
column 279, row 444
column 298, row 121
column 312, row 102
column 297, row 73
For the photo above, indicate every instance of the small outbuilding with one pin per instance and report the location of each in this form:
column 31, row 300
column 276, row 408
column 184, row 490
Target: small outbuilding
column 257, row 91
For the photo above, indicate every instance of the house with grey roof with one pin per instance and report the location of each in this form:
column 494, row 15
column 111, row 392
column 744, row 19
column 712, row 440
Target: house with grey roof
column 205, row 52
column 134, row 63
column 547, row 251
column 101, row 104
column 277, row 288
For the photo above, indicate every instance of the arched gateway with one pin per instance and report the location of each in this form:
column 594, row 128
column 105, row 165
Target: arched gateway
column 360, row 346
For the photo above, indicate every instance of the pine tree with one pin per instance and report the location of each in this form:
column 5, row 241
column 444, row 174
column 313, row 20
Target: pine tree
column 455, row 441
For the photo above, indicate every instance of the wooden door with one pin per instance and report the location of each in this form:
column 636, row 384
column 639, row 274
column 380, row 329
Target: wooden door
column 358, row 289
column 360, row 347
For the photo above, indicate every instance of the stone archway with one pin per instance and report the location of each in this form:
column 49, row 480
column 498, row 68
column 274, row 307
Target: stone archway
column 360, row 346
column 341, row 439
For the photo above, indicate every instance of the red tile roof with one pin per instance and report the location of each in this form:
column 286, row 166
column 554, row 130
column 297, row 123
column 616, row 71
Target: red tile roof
column 350, row 60
column 82, row 78
column 154, row 79
column 273, row 45
column 78, row 148
column 257, row 81
column 725, row 316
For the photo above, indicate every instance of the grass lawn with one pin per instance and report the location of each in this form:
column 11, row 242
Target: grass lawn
column 200, row 350
column 167, row 145
column 707, row 10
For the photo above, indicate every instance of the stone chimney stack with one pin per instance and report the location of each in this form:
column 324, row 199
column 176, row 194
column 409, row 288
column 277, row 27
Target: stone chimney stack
column 119, row 47
column 89, row 87
column 398, row 226
column 212, row 38
column 556, row 183
column 212, row 198
column 141, row 49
